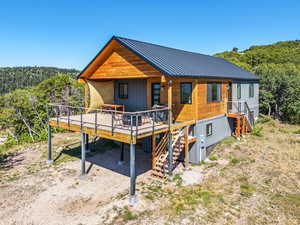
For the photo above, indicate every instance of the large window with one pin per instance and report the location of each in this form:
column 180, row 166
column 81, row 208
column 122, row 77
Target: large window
column 155, row 94
column 251, row 90
column 214, row 93
column 123, row 90
column 239, row 91
column 186, row 93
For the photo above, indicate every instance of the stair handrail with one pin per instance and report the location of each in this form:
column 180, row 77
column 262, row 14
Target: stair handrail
column 249, row 114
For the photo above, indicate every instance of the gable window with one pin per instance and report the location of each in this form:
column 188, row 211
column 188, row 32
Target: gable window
column 251, row 90
column 214, row 93
column 186, row 93
column 123, row 90
column 155, row 94
column 209, row 129
column 239, row 91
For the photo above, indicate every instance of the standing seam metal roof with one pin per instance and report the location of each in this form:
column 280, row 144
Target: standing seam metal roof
column 178, row 63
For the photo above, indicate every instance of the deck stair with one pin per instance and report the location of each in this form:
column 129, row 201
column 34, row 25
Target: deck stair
column 241, row 124
column 160, row 168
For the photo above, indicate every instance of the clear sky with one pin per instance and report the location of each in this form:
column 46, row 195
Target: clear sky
column 69, row 34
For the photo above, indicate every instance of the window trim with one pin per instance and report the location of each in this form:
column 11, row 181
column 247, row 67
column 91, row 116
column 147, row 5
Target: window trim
column 209, row 129
column 220, row 85
column 251, row 90
column 119, row 91
column 181, row 96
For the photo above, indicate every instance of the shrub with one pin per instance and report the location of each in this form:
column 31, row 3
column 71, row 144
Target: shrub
column 257, row 131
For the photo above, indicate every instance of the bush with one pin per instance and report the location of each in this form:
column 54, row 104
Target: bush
column 257, row 131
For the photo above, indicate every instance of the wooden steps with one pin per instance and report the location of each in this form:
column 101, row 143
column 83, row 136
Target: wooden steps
column 160, row 168
column 241, row 124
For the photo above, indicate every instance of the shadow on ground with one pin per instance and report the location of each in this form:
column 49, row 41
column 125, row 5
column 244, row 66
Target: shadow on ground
column 106, row 154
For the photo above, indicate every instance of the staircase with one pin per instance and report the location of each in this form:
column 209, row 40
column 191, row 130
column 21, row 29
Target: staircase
column 160, row 167
column 243, row 122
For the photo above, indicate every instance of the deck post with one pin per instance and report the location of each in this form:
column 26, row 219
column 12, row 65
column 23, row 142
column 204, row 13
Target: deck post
column 170, row 116
column 170, row 149
column 82, row 154
column 49, row 145
column 132, row 197
column 87, row 147
column 186, row 153
column 121, row 162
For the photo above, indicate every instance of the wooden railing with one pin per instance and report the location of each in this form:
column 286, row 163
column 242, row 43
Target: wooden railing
column 241, row 107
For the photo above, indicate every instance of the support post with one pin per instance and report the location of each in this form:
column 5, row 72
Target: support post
column 186, row 152
column 132, row 197
column 170, row 116
column 87, row 147
column 49, row 144
column 82, row 154
column 121, row 162
column 153, row 150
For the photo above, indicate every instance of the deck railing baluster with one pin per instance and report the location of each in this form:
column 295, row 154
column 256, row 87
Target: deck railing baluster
column 96, row 121
column 81, row 123
column 136, row 125
column 57, row 115
column 112, row 123
column 68, row 116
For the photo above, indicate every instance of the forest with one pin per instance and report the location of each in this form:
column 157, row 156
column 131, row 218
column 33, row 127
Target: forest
column 12, row 78
column 278, row 66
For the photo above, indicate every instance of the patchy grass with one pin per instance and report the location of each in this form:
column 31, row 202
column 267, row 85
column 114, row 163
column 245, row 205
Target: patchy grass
column 228, row 141
column 177, row 179
column 213, row 158
column 297, row 131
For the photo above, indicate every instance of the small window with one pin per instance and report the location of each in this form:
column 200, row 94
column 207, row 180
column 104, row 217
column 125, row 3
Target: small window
column 251, row 90
column 123, row 90
column 186, row 93
column 239, row 91
column 209, row 129
column 214, row 93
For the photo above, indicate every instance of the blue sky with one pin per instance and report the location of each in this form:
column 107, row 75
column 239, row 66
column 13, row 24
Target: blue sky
column 69, row 33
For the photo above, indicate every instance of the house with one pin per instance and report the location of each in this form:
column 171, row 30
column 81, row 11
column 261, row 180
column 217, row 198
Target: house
column 177, row 103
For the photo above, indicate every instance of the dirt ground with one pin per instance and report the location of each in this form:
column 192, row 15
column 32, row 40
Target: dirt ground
column 252, row 181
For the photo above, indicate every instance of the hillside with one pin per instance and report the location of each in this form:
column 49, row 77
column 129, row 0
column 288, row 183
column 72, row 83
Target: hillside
column 278, row 53
column 12, row 78
column 278, row 66
column 252, row 181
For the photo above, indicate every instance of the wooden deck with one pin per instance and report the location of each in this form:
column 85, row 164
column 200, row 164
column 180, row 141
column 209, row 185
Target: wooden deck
column 101, row 125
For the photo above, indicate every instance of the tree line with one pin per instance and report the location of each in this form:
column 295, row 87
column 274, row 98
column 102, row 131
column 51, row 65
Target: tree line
column 12, row 78
column 278, row 66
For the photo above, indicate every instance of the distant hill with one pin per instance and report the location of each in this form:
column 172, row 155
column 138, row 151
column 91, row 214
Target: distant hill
column 277, row 53
column 12, row 78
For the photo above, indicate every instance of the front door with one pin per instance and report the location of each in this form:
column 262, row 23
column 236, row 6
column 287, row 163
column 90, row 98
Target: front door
column 155, row 92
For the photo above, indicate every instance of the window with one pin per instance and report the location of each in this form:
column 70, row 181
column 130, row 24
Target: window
column 186, row 93
column 214, row 92
column 251, row 90
column 208, row 129
column 123, row 90
column 155, row 94
column 239, row 91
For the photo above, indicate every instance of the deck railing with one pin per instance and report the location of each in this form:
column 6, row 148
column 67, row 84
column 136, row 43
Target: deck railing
column 134, row 123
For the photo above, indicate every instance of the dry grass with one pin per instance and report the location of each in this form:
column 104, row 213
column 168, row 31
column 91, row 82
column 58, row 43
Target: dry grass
column 252, row 181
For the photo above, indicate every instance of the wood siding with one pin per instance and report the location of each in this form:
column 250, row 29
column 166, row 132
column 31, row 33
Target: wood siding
column 119, row 63
column 199, row 109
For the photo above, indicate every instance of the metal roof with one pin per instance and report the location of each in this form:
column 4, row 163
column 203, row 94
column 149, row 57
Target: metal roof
column 178, row 63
